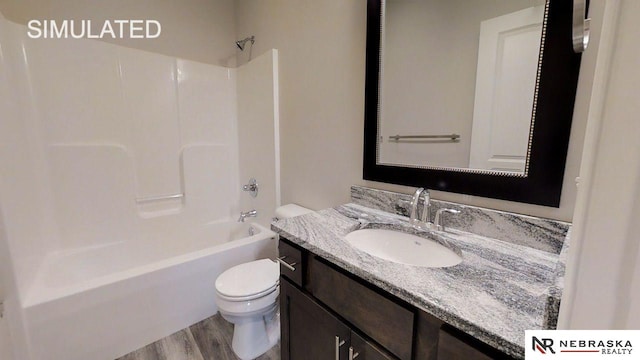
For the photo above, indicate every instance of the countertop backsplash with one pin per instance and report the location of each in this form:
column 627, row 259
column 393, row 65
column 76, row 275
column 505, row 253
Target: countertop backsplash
column 538, row 233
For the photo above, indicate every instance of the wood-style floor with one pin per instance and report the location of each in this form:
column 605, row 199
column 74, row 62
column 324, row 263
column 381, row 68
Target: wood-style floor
column 209, row 339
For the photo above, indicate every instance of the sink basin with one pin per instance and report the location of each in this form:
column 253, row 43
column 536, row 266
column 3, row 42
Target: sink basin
column 403, row 248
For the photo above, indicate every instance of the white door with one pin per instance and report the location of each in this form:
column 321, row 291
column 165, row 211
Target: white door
column 505, row 84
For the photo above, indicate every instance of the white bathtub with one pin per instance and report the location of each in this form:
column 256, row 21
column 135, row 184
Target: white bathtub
column 104, row 301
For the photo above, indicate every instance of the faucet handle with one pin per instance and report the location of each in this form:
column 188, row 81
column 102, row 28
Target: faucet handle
column 439, row 224
column 252, row 187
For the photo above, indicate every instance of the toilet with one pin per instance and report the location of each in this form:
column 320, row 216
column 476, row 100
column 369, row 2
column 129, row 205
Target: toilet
column 247, row 297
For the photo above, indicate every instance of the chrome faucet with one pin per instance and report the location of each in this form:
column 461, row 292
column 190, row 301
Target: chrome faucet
column 250, row 213
column 413, row 216
column 423, row 223
column 437, row 222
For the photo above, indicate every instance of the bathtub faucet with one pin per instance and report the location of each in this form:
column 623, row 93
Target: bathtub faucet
column 250, row 213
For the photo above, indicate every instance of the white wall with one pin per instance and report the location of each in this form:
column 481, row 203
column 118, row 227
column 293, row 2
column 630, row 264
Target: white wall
column 258, row 134
column 25, row 197
column 30, row 250
column 13, row 337
column 139, row 124
column 6, row 272
column 92, row 127
column 603, row 277
column 5, row 95
column 322, row 52
column 199, row 30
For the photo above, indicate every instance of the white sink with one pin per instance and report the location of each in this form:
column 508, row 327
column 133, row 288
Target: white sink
column 403, row 248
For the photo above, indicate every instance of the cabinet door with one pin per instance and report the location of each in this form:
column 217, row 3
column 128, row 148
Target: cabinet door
column 382, row 319
column 362, row 349
column 454, row 345
column 308, row 331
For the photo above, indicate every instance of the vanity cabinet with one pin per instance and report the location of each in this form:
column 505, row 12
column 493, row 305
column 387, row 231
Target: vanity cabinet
column 388, row 322
column 309, row 331
column 327, row 313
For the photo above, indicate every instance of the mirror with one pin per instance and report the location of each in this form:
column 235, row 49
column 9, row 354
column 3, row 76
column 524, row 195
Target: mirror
column 470, row 96
column 469, row 110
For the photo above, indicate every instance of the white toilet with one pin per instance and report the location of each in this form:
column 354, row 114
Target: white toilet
column 247, row 296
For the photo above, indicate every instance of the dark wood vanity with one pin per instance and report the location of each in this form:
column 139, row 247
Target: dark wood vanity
column 328, row 313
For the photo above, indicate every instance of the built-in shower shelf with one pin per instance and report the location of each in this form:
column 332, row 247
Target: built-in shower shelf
column 158, row 198
column 153, row 206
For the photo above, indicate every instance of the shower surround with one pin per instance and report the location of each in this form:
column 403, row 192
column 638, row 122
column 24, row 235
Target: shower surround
column 120, row 177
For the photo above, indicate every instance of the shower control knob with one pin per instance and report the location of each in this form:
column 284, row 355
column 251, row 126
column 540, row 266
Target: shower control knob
column 252, row 187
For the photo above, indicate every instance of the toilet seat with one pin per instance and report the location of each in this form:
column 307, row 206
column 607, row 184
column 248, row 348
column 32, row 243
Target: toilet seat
column 247, row 309
column 248, row 281
column 248, row 297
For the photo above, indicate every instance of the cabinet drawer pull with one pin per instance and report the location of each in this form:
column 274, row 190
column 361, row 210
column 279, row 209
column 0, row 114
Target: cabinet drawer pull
column 352, row 354
column 338, row 344
column 288, row 266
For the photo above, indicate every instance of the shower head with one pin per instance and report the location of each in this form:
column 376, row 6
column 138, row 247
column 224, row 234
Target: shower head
column 240, row 43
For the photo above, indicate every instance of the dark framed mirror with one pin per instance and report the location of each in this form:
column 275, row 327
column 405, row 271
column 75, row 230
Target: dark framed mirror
column 540, row 155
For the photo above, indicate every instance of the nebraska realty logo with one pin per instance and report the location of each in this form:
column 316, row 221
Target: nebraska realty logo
column 561, row 344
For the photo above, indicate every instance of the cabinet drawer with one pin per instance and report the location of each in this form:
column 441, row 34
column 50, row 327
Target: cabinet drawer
column 380, row 318
column 292, row 256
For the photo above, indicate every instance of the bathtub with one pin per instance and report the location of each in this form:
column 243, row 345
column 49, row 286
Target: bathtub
column 104, row 301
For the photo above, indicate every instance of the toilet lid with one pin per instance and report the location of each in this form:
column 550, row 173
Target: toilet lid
column 252, row 278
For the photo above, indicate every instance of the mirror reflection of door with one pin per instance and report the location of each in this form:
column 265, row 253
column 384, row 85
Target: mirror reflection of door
column 432, row 82
column 505, row 84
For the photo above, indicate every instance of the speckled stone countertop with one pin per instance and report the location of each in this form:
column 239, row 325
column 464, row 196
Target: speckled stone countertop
column 498, row 291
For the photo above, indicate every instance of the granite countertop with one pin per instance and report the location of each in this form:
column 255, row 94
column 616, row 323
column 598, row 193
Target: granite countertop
column 498, row 291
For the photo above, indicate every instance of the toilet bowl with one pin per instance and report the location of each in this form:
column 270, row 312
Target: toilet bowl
column 246, row 296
